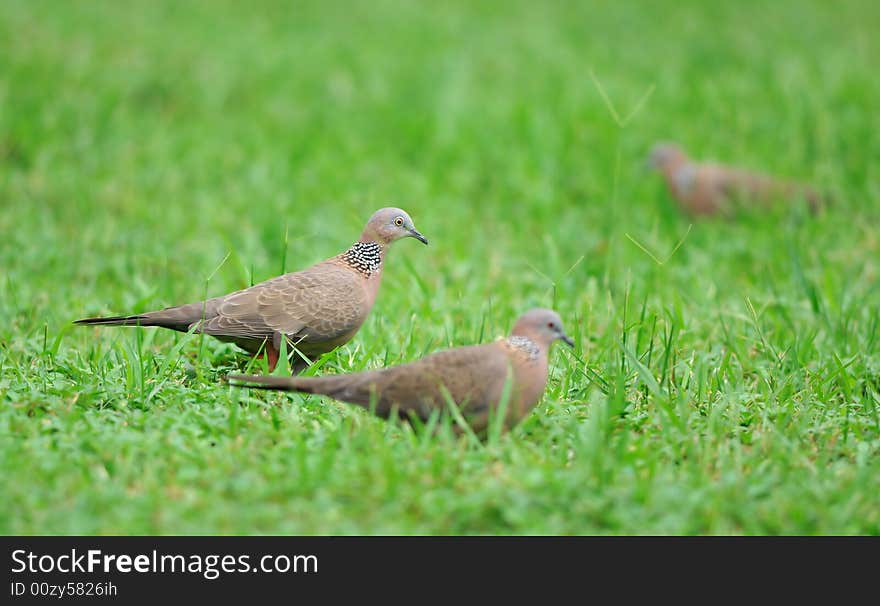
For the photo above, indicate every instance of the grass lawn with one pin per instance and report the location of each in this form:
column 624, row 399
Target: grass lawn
column 726, row 377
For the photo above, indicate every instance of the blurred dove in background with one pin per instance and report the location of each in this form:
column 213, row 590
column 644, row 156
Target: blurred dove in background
column 704, row 189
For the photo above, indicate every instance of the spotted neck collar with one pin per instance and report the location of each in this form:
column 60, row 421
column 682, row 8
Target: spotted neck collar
column 364, row 257
column 525, row 345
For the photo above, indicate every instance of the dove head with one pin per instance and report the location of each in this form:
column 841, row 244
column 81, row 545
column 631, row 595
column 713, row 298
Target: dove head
column 541, row 326
column 390, row 224
column 665, row 156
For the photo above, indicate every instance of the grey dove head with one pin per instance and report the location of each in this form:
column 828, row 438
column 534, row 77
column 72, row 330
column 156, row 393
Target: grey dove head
column 390, row 224
column 665, row 155
column 542, row 326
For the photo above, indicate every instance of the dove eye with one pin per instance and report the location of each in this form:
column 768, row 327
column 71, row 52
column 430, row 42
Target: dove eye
column 551, row 325
column 398, row 221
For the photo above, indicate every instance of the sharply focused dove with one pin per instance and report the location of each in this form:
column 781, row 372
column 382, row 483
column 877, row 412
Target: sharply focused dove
column 477, row 377
column 316, row 309
column 709, row 189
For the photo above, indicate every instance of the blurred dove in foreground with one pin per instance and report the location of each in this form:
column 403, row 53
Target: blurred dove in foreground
column 316, row 309
column 709, row 189
column 477, row 378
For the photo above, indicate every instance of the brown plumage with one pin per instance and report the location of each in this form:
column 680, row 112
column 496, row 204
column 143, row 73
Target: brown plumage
column 474, row 377
column 316, row 309
column 708, row 189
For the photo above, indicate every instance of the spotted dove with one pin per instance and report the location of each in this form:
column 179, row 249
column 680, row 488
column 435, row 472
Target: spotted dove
column 316, row 309
column 708, row 189
column 476, row 377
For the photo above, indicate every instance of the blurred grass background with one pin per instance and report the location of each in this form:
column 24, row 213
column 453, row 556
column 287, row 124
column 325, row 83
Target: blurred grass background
column 732, row 388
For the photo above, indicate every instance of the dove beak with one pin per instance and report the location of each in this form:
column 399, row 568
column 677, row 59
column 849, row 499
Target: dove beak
column 567, row 340
column 415, row 234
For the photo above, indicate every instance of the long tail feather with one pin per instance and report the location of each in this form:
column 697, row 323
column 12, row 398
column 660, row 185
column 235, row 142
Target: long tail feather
column 265, row 382
column 333, row 386
column 116, row 321
column 356, row 388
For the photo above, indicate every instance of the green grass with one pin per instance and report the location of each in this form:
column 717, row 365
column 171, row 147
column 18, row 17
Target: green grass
column 730, row 387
